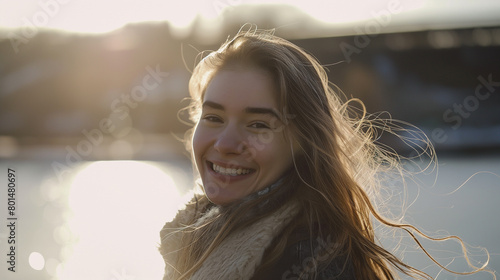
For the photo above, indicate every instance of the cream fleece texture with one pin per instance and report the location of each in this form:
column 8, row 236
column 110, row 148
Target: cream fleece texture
column 238, row 255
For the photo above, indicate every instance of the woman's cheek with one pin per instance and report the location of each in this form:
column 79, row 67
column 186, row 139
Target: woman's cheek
column 265, row 154
column 199, row 145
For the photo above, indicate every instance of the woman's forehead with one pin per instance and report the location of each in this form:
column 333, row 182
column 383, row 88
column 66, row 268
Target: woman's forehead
column 241, row 88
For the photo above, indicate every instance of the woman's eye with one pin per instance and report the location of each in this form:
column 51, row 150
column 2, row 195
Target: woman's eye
column 211, row 118
column 259, row 125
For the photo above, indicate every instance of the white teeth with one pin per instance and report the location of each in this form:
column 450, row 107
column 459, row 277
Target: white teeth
column 230, row 171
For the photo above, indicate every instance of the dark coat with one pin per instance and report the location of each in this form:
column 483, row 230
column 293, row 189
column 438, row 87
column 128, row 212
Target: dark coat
column 297, row 262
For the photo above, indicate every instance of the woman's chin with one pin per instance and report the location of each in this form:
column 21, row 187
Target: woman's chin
column 221, row 200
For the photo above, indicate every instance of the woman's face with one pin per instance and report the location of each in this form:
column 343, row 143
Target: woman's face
column 239, row 144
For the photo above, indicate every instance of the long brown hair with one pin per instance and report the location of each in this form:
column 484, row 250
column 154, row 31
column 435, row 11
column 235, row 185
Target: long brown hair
column 339, row 167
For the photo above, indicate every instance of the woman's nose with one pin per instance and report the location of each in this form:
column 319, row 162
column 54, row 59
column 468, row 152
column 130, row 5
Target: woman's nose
column 230, row 141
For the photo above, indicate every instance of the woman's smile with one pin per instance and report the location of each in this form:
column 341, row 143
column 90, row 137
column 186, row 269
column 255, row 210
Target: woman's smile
column 229, row 171
column 229, row 174
column 239, row 142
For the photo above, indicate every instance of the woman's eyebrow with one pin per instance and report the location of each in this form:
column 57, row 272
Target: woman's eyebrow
column 213, row 105
column 248, row 110
column 260, row 110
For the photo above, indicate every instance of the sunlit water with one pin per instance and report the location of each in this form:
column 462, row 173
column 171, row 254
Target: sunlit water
column 102, row 219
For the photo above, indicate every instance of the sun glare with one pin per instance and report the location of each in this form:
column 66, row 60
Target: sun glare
column 343, row 12
column 104, row 16
column 94, row 16
column 118, row 209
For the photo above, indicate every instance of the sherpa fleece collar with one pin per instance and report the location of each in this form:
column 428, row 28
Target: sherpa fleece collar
column 238, row 256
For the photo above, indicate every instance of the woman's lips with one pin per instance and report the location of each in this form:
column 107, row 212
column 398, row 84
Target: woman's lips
column 228, row 173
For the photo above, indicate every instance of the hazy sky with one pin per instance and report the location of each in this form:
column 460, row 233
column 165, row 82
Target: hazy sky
column 97, row 16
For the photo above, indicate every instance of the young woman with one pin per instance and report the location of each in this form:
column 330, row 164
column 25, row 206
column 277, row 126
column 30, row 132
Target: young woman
column 289, row 174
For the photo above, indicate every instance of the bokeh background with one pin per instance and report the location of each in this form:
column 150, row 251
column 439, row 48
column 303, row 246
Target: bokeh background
column 90, row 93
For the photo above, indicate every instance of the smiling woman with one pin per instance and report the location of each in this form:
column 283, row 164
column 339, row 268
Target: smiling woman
column 238, row 106
column 291, row 177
